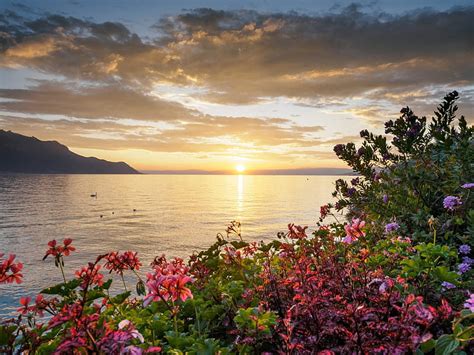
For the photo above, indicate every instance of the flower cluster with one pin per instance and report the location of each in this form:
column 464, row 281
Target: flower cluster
column 451, row 202
column 10, row 271
column 120, row 262
column 57, row 251
column 391, row 227
column 354, row 230
column 168, row 282
column 90, row 275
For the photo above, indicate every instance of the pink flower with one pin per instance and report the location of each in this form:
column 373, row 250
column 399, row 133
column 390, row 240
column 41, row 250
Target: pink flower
column 354, row 230
column 168, row 287
column 469, row 304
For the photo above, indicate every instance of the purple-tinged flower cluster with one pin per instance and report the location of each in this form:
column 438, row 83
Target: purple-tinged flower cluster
column 469, row 304
column 451, row 202
column 447, row 285
column 469, row 185
column 385, row 198
column 467, row 260
column 463, row 268
column 392, row 227
column 464, row 249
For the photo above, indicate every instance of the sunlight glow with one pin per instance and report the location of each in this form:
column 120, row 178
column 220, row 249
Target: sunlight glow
column 240, row 168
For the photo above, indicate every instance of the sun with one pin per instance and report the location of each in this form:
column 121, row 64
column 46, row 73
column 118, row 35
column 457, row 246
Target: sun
column 240, row 168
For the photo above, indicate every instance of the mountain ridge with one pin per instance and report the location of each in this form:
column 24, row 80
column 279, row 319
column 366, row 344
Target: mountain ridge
column 30, row 155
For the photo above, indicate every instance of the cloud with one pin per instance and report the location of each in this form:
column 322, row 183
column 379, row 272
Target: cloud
column 105, row 101
column 365, row 65
column 115, row 117
column 242, row 56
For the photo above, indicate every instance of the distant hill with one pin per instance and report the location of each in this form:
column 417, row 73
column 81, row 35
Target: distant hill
column 22, row 154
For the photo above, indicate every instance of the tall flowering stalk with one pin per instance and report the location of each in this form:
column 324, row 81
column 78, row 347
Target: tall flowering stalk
column 59, row 252
column 120, row 262
column 168, row 283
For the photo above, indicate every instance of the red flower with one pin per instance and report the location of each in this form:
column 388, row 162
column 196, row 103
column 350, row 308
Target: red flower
column 24, row 309
column 90, row 275
column 296, row 232
column 10, row 271
column 68, row 248
column 324, row 211
column 120, row 262
column 59, row 251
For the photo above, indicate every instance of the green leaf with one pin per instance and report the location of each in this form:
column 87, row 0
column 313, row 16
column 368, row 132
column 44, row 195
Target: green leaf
column 107, row 284
column 62, row 289
column 427, row 346
column 446, row 344
column 119, row 299
column 6, row 332
column 443, row 274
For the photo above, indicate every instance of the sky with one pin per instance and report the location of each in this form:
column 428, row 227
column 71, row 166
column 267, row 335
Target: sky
column 211, row 85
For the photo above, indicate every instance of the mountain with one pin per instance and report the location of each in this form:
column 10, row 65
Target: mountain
column 22, row 154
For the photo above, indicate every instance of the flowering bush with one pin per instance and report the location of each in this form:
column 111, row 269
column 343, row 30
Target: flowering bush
column 421, row 177
column 395, row 278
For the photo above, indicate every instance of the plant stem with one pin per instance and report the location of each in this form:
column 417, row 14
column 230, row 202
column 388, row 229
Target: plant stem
column 175, row 321
column 62, row 270
column 123, row 280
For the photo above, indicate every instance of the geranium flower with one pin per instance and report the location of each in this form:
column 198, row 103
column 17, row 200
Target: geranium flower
column 68, row 248
column 168, row 287
column 10, row 271
column 469, row 185
column 296, row 232
column 59, row 251
column 25, row 308
column 324, row 211
column 90, row 275
column 354, row 230
column 121, row 262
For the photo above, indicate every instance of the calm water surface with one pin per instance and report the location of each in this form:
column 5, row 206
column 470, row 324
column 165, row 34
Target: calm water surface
column 175, row 214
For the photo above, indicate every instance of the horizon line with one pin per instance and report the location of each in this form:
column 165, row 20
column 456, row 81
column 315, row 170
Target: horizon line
column 303, row 171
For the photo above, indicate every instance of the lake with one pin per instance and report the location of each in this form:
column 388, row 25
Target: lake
column 174, row 214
